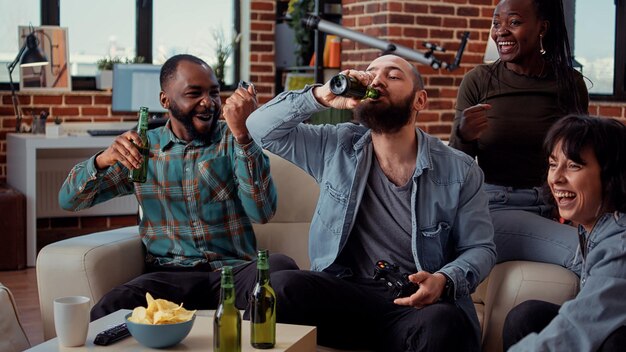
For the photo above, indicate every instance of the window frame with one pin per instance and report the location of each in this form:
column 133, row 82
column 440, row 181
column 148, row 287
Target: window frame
column 619, row 71
column 51, row 16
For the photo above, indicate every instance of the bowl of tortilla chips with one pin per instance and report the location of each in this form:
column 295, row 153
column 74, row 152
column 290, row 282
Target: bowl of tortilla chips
column 161, row 324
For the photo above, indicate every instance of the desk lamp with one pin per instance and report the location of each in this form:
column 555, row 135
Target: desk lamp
column 31, row 55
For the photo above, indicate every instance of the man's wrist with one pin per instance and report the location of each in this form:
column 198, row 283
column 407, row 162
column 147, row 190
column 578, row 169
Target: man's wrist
column 244, row 139
column 448, row 289
column 319, row 93
column 98, row 167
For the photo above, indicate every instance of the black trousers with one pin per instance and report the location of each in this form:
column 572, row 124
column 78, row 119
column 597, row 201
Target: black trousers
column 360, row 314
column 195, row 289
column 533, row 316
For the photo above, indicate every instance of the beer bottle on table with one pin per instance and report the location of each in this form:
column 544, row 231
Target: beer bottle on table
column 263, row 306
column 140, row 174
column 349, row 87
column 227, row 320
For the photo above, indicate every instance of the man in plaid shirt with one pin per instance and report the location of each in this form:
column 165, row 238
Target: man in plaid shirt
column 207, row 180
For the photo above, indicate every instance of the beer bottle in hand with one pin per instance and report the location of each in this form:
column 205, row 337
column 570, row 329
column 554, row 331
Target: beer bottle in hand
column 263, row 306
column 347, row 86
column 140, row 174
column 227, row 321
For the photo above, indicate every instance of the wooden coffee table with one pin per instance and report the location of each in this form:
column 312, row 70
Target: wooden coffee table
column 294, row 338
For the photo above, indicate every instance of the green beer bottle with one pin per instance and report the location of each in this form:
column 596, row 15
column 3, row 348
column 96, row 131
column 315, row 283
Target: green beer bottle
column 140, row 174
column 263, row 306
column 349, row 87
column 227, row 321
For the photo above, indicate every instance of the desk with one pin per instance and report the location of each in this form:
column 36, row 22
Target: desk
column 37, row 166
column 289, row 338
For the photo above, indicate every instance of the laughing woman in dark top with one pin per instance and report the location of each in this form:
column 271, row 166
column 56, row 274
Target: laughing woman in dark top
column 503, row 112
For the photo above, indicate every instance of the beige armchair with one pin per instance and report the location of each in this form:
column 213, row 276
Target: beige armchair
column 91, row 265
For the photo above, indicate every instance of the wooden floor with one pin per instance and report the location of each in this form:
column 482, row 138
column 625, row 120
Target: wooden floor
column 23, row 286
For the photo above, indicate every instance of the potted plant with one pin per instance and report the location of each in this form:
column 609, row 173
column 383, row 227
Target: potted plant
column 223, row 49
column 299, row 9
column 104, row 77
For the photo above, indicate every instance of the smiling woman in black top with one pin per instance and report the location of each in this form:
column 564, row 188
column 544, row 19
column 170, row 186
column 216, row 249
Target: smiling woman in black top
column 503, row 112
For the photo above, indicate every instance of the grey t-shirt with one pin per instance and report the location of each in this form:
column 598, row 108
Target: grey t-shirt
column 382, row 229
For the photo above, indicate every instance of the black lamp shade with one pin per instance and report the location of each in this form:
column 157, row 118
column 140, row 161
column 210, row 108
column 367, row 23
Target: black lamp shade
column 33, row 55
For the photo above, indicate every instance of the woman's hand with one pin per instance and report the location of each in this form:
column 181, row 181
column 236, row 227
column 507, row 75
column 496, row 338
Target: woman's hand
column 473, row 122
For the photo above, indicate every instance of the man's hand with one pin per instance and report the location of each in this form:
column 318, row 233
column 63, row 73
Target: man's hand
column 325, row 97
column 431, row 289
column 123, row 150
column 236, row 110
column 473, row 122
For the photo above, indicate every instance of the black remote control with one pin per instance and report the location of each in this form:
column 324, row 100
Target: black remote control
column 112, row 335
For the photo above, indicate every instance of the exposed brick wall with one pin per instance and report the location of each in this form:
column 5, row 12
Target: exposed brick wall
column 262, row 29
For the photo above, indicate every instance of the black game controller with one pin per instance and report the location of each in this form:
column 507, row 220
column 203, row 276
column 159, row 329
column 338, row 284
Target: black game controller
column 397, row 282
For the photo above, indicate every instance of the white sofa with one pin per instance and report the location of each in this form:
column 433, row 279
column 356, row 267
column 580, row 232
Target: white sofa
column 93, row 264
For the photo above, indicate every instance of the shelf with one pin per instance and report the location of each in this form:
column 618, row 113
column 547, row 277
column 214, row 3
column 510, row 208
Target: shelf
column 283, row 58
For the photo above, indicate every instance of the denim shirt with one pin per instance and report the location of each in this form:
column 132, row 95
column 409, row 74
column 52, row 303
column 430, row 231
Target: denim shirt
column 584, row 322
column 451, row 226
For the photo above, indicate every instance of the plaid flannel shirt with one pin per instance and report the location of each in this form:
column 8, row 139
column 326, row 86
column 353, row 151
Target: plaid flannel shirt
column 198, row 201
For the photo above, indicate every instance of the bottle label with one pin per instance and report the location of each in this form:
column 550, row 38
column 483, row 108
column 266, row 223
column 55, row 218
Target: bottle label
column 142, row 124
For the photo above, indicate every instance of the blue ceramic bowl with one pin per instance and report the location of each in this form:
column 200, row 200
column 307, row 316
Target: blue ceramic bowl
column 159, row 336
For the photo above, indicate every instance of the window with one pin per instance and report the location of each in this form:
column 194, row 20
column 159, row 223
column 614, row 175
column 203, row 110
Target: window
column 14, row 14
column 97, row 29
column 176, row 31
column 154, row 29
column 600, row 46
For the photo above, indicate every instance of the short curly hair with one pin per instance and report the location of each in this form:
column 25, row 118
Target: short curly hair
column 169, row 67
column 607, row 139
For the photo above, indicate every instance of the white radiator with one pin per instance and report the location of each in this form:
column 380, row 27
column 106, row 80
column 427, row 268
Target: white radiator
column 52, row 171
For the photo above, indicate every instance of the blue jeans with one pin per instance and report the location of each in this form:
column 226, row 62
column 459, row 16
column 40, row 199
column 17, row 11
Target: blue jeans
column 524, row 229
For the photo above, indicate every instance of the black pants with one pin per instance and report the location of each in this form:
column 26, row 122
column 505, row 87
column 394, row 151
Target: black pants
column 360, row 314
column 195, row 289
column 533, row 316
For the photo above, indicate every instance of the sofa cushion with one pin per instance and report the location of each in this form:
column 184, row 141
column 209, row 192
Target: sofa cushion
column 288, row 231
column 511, row 283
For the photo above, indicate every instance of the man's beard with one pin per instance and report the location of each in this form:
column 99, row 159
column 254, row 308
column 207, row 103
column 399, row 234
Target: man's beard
column 383, row 118
column 187, row 122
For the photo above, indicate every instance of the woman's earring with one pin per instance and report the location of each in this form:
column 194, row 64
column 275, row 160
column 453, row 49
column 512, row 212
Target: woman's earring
column 542, row 51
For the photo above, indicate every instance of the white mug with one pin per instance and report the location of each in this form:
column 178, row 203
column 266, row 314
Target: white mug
column 71, row 320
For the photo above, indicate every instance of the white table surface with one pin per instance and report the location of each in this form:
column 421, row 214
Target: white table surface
column 293, row 338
